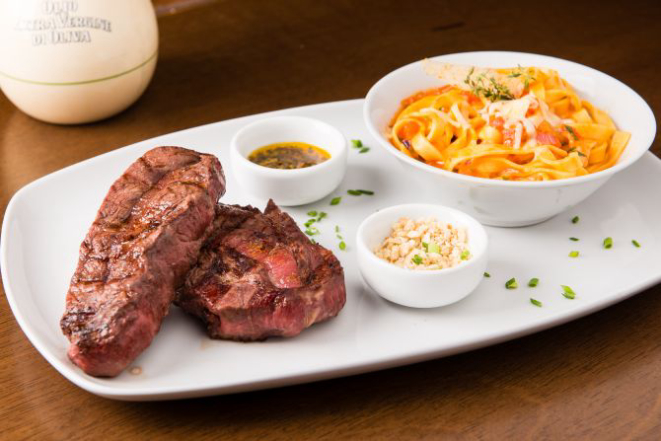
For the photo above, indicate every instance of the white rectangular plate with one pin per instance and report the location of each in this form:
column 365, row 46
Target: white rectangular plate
column 46, row 221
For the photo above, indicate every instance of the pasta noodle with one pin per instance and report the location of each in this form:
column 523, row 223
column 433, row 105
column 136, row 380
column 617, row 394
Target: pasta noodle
column 520, row 124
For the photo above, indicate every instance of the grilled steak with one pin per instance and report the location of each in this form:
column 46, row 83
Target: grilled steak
column 259, row 276
column 147, row 234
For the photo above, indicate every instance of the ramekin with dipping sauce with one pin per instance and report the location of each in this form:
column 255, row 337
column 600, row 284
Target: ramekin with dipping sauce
column 289, row 186
column 420, row 288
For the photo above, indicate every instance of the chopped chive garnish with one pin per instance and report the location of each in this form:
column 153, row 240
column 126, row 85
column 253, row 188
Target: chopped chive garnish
column 533, row 282
column 342, row 245
column 434, row 248
column 635, row 243
column 511, row 284
column 425, row 245
column 573, row 254
column 312, row 213
column 336, row 200
column 536, row 302
column 571, row 130
column 608, row 243
column 568, row 292
column 417, row 259
column 575, row 220
column 568, row 289
column 486, row 274
column 321, row 216
column 575, row 239
column 311, row 231
column 360, row 192
column 357, row 143
column 313, row 241
column 309, row 222
column 364, row 150
column 465, row 254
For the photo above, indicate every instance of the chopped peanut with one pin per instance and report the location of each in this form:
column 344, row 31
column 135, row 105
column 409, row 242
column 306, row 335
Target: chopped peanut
column 424, row 244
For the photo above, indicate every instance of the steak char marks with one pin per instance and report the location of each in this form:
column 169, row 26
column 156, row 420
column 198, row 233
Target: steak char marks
column 146, row 236
column 259, row 276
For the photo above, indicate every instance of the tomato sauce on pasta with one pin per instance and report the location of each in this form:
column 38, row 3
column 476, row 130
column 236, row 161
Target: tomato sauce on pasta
column 519, row 124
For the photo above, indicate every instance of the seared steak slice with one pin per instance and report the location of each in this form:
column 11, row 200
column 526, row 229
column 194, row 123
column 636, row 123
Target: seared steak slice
column 147, row 234
column 259, row 276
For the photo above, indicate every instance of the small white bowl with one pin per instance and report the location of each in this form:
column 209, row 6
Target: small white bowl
column 289, row 187
column 420, row 288
column 511, row 203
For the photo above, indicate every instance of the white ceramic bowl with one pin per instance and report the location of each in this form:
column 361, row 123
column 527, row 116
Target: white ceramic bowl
column 509, row 203
column 420, row 288
column 289, row 187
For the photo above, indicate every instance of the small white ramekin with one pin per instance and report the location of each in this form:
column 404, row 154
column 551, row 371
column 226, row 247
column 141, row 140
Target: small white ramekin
column 420, row 288
column 289, row 187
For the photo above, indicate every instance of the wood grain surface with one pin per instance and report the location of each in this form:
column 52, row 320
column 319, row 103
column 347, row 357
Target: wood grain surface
column 596, row 378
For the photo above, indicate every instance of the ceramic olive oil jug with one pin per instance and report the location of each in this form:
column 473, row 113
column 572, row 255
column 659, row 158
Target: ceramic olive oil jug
column 76, row 61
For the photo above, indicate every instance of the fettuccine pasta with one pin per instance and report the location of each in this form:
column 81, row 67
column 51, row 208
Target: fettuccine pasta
column 521, row 124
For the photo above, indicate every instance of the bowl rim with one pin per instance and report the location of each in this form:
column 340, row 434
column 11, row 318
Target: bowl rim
column 648, row 138
column 466, row 220
column 287, row 173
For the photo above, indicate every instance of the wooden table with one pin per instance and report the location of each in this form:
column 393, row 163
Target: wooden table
column 596, row 378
